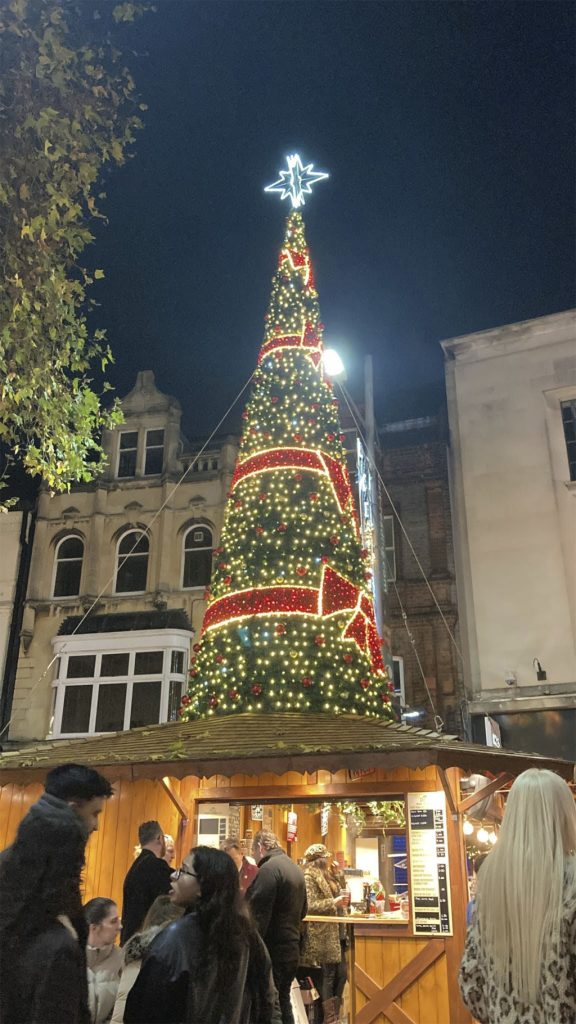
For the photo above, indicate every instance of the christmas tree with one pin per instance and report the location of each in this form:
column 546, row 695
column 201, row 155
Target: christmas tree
column 289, row 624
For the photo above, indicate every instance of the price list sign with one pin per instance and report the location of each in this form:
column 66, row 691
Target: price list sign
column 430, row 880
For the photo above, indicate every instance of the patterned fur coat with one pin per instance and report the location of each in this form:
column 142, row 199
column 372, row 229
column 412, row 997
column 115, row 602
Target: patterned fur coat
column 321, row 943
column 490, row 1004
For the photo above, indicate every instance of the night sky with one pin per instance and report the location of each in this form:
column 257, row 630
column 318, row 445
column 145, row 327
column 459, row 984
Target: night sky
column 447, row 130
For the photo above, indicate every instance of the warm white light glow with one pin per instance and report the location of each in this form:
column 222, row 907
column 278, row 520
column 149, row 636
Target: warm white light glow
column 482, row 835
column 493, row 838
column 332, row 363
column 468, row 828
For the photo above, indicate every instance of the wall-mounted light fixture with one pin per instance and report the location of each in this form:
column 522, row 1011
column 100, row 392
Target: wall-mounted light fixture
column 540, row 672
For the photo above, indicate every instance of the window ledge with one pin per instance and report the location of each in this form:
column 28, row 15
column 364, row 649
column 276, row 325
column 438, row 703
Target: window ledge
column 570, row 485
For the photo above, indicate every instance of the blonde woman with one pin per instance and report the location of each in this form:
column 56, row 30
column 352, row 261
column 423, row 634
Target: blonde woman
column 519, row 964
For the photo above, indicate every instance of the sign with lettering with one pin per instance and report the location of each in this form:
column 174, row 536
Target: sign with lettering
column 429, row 868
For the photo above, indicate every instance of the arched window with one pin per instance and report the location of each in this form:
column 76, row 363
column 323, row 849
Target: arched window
column 197, row 557
column 68, row 570
column 132, row 563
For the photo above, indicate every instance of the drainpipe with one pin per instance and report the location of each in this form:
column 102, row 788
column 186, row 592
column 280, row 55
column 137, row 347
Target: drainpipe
column 26, row 540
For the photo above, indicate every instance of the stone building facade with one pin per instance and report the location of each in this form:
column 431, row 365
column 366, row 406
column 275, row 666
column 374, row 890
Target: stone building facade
column 118, row 576
column 414, row 468
column 512, row 414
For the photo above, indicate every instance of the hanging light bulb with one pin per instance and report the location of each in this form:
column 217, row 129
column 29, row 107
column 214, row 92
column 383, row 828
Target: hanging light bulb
column 482, row 835
column 493, row 838
column 468, row 828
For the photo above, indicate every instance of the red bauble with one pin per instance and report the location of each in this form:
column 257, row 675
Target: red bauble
column 348, row 658
column 259, row 529
column 297, row 437
column 319, row 640
column 301, row 570
column 195, row 672
column 324, row 559
column 364, row 683
column 335, row 540
column 274, row 399
column 222, row 565
column 384, row 697
column 342, row 438
column 315, row 406
column 367, row 575
column 196, row 647
column 313, row 496
column 227, row 580
column 335, row 402
column 364, row 552
column 263, row 496
column 239, row 503
column 330, row 437
column 257, row 689
column 185, row 700
column 312, row 422
column 219, row 658
column 280, row 629
column 298, row 477
column 281, row 528
column 245, row 415
column 233, row 694
column 306, row 681
column 391, row 687
column 213, row 702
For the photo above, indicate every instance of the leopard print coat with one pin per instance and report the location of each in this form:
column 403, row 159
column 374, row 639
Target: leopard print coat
column 489, row 1003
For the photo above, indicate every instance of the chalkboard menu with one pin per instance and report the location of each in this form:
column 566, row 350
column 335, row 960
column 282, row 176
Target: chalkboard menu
column 430, row 879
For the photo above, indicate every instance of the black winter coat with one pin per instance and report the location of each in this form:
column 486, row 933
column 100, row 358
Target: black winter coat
column 148, row 878
column 47, row 982
column 172, row 989
column 278, row 902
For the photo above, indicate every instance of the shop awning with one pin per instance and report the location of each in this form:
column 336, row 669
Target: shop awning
column 251, row 743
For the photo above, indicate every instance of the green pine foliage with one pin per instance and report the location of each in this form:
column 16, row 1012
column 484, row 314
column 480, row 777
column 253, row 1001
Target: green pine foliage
column 284, row 527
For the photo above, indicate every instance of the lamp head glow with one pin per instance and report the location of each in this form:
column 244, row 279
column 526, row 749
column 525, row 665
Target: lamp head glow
column 468, row 828
column 332, row 363
column 482, row 835
column 297, row 181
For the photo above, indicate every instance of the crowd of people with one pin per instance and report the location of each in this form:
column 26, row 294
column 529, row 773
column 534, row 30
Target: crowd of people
column 220, row 939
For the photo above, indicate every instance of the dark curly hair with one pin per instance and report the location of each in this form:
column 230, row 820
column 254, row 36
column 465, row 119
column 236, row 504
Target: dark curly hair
column 227, row 929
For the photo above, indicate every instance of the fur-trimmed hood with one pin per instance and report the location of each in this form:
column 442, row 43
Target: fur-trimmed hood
column 137, row 946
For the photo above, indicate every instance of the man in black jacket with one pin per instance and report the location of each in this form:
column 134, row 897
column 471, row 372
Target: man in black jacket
column 148, row 878
column 278, row 900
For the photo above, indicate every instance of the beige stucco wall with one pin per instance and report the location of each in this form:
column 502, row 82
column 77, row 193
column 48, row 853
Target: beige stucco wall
column 99, row 513
column 514, row 507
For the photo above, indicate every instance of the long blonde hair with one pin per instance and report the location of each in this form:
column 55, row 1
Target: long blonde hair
column 521, row 887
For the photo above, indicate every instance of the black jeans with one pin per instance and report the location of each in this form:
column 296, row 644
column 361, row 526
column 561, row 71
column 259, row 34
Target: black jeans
column 284, row 975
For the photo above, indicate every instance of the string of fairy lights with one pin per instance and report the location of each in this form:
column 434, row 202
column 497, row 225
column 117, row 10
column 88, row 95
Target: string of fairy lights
column 290, row 623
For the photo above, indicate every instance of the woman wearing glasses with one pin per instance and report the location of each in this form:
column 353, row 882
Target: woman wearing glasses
column 211, row 966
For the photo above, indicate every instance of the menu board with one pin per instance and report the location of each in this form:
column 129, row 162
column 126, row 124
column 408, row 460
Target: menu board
column 430, row 879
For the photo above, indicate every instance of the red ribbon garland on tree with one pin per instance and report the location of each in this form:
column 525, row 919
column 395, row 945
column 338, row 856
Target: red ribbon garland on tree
column 336, row 594
column 298, row 458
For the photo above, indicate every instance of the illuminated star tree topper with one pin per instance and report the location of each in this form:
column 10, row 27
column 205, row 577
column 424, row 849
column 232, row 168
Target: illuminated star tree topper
column 296, row 181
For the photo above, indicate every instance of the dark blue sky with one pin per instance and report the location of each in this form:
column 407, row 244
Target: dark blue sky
column 447, row 129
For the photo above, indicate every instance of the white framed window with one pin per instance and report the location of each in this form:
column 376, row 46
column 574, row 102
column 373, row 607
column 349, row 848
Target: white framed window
column 68, row 560
column 132, row 562
column 568, row 409
column 127, row 453
column 114, row 681
column 398, row 679
column 140, row 453
column 154, row 452
column 197, row 569
column 389, row 548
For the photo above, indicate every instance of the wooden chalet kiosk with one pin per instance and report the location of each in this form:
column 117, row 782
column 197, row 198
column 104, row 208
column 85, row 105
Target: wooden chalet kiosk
column 405, row 962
